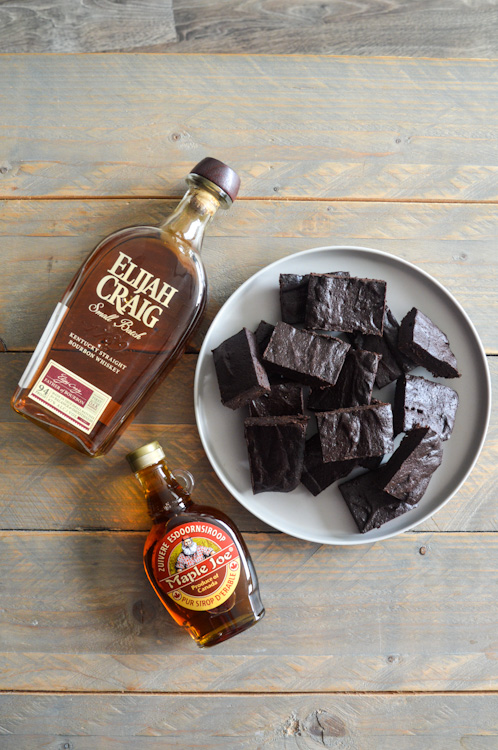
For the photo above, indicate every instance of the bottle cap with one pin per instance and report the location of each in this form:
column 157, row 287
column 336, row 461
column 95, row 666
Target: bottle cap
column 221, row 174
column 147, row 455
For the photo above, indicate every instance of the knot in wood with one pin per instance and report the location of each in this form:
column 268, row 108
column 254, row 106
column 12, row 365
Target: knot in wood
column 321, row 726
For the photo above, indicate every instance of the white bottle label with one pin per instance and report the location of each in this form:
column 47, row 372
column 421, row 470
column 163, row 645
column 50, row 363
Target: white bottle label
column 66, row 394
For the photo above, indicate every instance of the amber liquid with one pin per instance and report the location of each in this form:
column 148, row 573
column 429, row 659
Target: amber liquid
column 144, row 362
column 243, row 608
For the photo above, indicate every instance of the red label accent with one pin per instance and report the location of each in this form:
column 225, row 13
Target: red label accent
column 67, row 386
column 197, row 565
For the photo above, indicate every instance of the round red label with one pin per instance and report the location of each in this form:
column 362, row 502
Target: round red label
column 198, row 565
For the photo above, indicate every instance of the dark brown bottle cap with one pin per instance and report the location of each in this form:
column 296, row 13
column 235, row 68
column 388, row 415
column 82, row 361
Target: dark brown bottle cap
column 219, row 173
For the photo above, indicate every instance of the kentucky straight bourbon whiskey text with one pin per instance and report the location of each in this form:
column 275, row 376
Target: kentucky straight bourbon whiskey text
column 123, row 322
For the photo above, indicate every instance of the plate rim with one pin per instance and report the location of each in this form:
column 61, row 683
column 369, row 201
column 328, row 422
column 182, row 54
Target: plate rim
column 362, row 539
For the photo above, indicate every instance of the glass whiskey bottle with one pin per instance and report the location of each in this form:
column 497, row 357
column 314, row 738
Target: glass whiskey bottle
column 194, row 556
column 124, row 321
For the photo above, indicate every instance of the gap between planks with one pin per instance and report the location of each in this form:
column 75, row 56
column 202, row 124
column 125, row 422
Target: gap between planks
column 208, row 694
column 310, row 56
column 107, row 530
column 273, row 198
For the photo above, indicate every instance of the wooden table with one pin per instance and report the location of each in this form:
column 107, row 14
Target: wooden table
column 392, row 645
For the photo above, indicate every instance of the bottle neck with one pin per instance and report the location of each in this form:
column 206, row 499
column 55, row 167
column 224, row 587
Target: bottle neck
column 192, row 215
column 165, row 496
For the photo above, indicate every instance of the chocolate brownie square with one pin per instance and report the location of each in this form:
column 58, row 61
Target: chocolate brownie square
column 276, row 452
column 307, row 357
column 393, row 362
column 427, row 345
column 263, row 335
column 422, row 403
column 241, row 376
column 293, row 294
column 357, row 432
column 284, row 399
column 318, row 475
column 371, row 463
column 370, row 506
column 391, row 335
column 407, row 473
column 354, row 384
column 336, row 303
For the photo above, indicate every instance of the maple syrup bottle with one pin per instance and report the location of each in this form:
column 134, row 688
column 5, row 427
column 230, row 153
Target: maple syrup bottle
column 124, row 320
column 194, row 556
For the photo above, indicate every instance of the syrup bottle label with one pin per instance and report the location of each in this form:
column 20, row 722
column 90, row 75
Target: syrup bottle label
column 66, row 394
column 197, row 565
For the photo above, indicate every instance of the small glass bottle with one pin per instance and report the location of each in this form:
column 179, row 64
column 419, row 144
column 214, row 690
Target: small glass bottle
column 194, row 556
column 124, row 321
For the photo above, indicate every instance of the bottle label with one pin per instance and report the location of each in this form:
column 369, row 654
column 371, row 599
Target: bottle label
column 197, row 565
column 66, row 394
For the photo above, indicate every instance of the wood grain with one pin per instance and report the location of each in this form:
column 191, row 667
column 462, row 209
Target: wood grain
column 292, row 126
column 277, row 722
column 78, row 614
column 420, row 28
column 89, row 26
column 43, row 245
column 46, row 485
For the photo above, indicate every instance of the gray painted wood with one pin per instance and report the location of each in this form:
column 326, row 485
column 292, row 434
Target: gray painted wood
column 43, row 243
column 46, row 485
column 245, row 722
column 79, row 614
column 84, row 25
column 398, row 154
column 293, row 126
column 419, row 28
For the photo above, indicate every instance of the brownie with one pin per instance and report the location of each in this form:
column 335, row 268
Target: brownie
column 357, row 432
column 263, row 334
column 276, row 452
column 422, row 403
column 241, row 376
column 370, row 506
column 318, row 475
column 284, row 399
column 407, row 473
column 391, row 335
column 393, row 362
column 371, row 463
column 336, row 303
column 293, row 294
column 354, row 384
column 307, row 357
column 427, row 345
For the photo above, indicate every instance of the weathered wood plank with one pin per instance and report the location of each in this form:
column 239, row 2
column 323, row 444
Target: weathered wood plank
column 330, row 127
column 44, row 243
column 48, row 485
column 78, row 614
column 90, row 26
column 44, row 482
column 277, row 722
column 420, row 28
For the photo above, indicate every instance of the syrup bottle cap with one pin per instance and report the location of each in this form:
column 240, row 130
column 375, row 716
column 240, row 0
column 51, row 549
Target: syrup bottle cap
column 147, row 455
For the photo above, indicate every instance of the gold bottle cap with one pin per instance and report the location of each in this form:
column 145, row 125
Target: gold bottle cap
column 147, row 455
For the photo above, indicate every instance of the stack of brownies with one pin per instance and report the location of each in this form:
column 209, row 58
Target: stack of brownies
column 300, row 362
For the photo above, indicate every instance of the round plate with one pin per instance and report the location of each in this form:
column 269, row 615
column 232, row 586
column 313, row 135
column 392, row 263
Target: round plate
column 326, row 518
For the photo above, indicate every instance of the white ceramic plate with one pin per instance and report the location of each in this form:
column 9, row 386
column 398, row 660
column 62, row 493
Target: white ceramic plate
column 326, row 518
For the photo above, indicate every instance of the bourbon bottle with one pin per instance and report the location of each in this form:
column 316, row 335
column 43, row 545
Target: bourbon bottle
column 123, row 321
column 194, row 556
